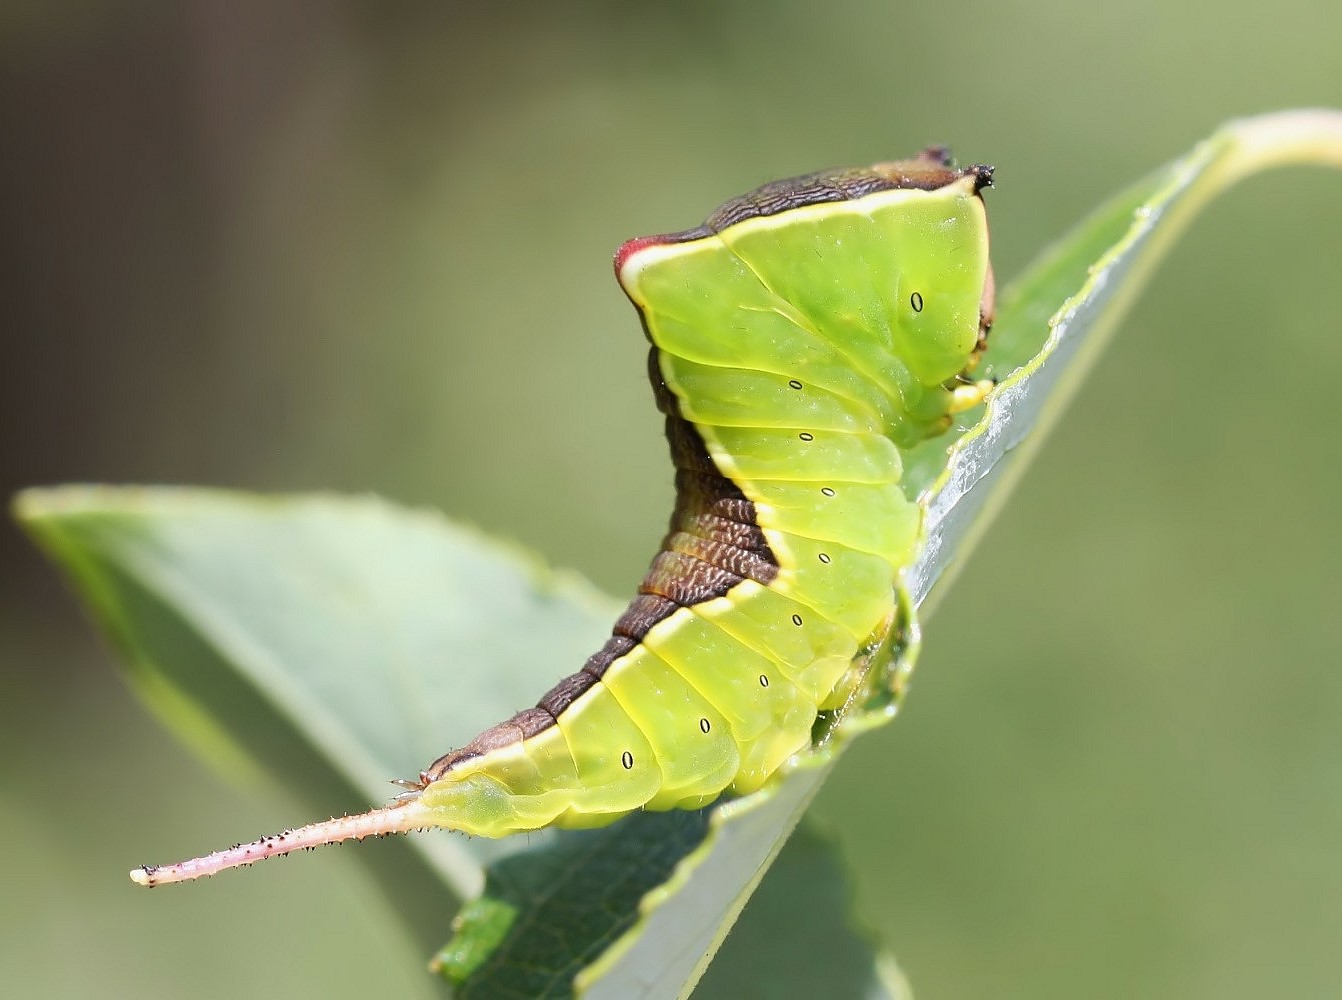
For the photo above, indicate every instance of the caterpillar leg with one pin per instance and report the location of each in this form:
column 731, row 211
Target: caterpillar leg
column 966, row 396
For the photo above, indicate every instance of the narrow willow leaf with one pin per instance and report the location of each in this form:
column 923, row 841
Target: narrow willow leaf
column 498, row 951
column 332, row 640
column 1084, row 284
column 547, row 914
column 800, row 917
column 1052, row 322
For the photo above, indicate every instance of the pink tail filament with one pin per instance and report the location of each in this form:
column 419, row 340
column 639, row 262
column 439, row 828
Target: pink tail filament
column 400, row 818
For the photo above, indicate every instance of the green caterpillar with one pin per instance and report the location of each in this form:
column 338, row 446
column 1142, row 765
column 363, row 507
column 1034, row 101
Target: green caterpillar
column 802, row 337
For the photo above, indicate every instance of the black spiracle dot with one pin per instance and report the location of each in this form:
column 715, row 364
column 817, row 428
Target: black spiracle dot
column 764, row 680
column 916, row 300
column 794, row 383
column 824, row 558
column 827, row 491
column 704, row 726
column 806, row 436
column 796, row 620
column 627, row 759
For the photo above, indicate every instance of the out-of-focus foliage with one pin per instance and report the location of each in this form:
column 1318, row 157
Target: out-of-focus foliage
column 306, row 246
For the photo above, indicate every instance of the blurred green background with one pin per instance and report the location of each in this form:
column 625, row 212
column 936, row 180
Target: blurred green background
column 365, row 247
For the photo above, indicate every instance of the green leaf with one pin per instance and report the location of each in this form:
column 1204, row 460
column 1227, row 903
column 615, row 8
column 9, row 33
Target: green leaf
column 1052, row 322
column 795, row 937
column 336, row 641
column 339, row 637
column 546, row 915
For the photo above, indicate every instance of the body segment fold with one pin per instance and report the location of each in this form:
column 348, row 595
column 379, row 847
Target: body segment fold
column 799, row 340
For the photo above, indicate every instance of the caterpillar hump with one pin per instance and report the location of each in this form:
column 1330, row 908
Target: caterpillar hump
column 801, row 339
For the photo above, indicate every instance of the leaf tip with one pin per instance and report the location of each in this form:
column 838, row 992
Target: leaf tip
column 26, row 506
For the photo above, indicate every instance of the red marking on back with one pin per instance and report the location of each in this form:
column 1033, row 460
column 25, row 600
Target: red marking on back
column 630, row 247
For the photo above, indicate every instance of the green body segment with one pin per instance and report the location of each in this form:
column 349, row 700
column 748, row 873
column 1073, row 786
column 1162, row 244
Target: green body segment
column 805, row 349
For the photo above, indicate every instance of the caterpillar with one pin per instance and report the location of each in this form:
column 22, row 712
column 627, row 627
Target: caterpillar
column 802, row 338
